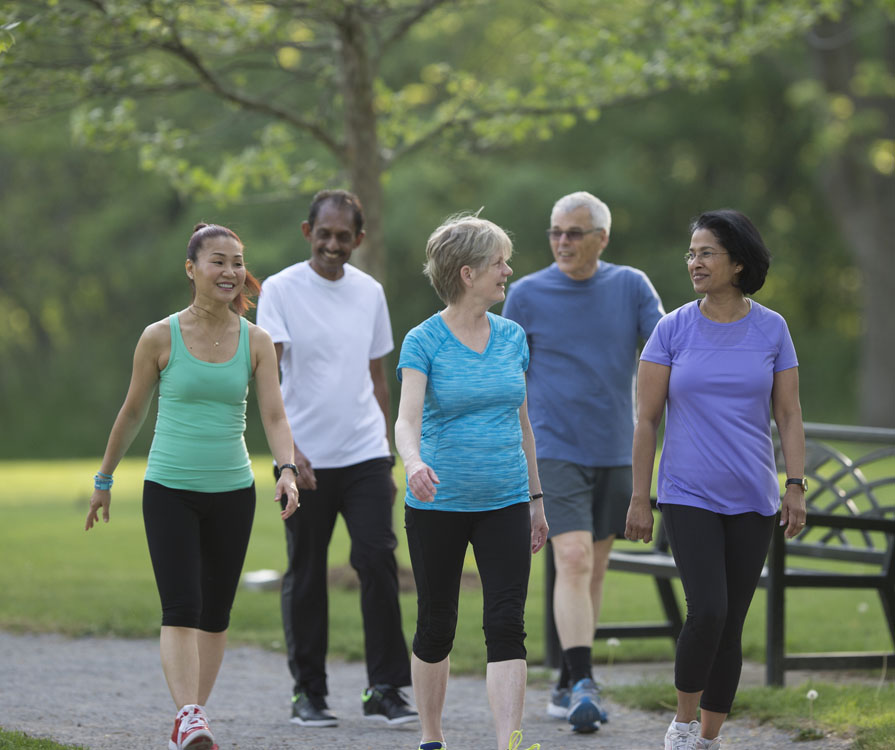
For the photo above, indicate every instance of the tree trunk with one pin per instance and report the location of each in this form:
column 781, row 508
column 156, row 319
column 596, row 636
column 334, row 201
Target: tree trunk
column 861, row 199
column 362, row 157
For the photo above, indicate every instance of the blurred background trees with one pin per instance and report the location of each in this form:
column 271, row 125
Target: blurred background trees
column 126, row 122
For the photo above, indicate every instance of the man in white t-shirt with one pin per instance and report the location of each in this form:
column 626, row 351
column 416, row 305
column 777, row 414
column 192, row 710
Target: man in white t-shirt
column 330, row 326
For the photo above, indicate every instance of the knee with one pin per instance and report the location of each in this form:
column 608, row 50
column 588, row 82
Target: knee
column 708, row 619
column 505, row 639
column 573, row 560
column 368, row 560
column 433, row 641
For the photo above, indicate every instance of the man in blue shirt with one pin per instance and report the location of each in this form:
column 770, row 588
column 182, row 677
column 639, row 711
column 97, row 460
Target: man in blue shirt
column 584, row 319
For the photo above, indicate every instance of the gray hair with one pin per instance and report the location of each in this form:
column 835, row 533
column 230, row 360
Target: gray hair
column 599, row 211
column 462, row 240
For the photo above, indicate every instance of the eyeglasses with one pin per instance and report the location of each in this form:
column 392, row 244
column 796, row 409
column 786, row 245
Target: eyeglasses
column 703, row 255
column 573, row 234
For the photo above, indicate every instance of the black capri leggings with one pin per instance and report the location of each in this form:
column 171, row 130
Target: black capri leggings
column 197, row 542
column 720, row 560
column 501, row 541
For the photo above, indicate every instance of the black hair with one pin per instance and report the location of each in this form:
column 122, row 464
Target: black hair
column 739, row 237
column 202, row 232
column 342, row 199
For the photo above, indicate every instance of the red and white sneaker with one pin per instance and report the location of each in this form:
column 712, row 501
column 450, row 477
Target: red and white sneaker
column 191, row 730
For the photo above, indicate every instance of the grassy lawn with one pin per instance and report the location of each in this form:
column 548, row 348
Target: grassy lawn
column 58, row 578
column 864, row 712
column 19, row 741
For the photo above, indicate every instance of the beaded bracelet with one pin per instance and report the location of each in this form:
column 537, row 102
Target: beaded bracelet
column 102, row 481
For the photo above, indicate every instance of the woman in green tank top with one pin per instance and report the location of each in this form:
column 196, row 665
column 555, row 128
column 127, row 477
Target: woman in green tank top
column 199, row 492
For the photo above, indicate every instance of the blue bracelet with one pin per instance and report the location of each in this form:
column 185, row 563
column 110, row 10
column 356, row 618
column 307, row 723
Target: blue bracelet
column 102, row 481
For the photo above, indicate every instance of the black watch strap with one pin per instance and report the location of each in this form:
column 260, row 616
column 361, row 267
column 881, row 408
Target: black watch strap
column 292, row 467
column 800, row 481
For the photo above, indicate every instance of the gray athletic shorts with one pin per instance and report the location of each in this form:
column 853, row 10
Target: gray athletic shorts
column 585, row 498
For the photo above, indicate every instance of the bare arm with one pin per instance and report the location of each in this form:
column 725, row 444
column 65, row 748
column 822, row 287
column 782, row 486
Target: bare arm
column 536, row 507
column 380, row 390
column 307, row 480
column 150, row 355
column 788, row 415
column 273, row 414
column 420, row 478
column 652, row 393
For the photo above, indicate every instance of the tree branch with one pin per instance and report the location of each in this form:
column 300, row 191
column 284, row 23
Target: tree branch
column 210, row 81
column 420, row 12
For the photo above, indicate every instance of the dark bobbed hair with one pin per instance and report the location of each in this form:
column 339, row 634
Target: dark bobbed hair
column 203, row 232
column 739, row 237
column 342, row 199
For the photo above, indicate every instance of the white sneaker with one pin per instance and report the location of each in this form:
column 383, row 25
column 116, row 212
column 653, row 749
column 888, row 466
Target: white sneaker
column 703, row 744
column 681, row 736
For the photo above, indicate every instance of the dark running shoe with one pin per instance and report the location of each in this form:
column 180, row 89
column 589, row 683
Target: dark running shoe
column 310, row 710
column 585, row 709
column 387, row 704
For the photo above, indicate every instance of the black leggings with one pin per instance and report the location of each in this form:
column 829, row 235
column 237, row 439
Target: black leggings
column 501, row 541
column 720, row 560
column 197, row 542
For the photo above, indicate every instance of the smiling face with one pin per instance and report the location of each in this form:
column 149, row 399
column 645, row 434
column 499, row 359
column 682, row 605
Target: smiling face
column 218, row 273
column 711, row 273
column 333, row 238
column 578, row 259
column 490, row 282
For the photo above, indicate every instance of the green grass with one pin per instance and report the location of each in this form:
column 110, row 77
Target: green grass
column 58, row 578
column 19, row 741
column 864, row 712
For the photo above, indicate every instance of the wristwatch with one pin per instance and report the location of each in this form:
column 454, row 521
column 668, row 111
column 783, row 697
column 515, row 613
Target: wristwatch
column 292, row 467
column 801, row 481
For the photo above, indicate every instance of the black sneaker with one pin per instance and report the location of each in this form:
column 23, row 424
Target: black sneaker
column 388, row 704
column 310, row 710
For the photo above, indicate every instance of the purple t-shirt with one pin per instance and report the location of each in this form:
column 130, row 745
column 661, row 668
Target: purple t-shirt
column 718, row 454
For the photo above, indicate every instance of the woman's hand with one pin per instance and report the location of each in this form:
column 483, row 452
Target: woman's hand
column 539, row 526
column 286, row 488
column 792, row 511
column 422, row 480
column 639, row 524
column 100, row 499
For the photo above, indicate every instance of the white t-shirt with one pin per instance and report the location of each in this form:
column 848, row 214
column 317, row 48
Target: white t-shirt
column 330, row 330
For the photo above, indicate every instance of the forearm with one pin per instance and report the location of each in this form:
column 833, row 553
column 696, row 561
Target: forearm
column 279, row 439
column 792, row 442
column 125, row 429
column 407, row 441
column 643, row 458
column 531, row 461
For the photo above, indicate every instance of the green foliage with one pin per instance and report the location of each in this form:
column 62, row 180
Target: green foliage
column 483, row 75
column 93, row 244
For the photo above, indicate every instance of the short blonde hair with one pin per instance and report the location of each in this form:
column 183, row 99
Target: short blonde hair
column 462, row 240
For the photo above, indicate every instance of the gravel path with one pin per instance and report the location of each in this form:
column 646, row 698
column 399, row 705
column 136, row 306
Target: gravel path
column 109, row 694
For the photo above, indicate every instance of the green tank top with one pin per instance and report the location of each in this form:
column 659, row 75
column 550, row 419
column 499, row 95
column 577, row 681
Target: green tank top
column 199, row 443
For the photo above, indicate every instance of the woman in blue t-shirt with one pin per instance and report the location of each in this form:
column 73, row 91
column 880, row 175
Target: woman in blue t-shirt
column 718, row 364
column 469, row 454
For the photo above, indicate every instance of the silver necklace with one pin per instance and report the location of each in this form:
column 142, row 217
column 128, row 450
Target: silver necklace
column 207, row 333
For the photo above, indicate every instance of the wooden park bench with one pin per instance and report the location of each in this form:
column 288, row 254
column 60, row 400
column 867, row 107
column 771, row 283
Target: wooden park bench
column 849, row 536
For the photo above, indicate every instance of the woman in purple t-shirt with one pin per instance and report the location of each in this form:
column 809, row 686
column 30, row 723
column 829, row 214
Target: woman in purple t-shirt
column 718, row 364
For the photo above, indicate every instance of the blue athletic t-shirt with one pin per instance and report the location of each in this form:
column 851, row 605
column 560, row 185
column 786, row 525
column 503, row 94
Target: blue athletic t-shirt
column 717, row 453
column 471, row 436
column 583, row 337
